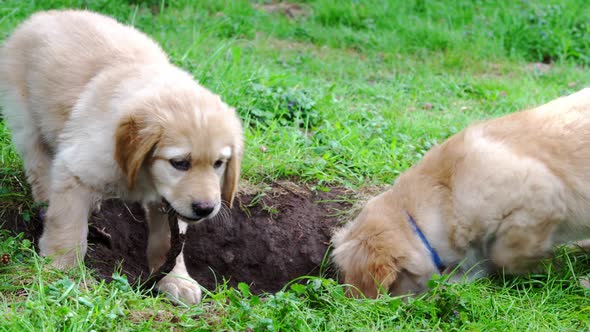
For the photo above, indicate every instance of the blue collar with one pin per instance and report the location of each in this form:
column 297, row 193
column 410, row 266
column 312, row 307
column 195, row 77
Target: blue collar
column 435, row 258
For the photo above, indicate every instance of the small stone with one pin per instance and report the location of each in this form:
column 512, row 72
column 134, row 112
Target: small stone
column 228, row 257
column 427, row 106
column 42, row 213
column 585, row 282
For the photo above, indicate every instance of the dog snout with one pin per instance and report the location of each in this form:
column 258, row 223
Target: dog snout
column 203, row 209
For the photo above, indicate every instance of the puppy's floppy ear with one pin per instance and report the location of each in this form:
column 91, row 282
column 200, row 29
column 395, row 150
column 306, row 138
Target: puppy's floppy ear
column 232, row 175
column 232, row 170
column 367, row 262
column 134, row 139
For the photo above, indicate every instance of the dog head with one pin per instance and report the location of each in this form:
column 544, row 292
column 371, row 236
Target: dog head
column 187, row 143
column 379, row 253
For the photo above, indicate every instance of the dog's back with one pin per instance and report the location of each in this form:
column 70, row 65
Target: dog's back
column 556, row 131
column 50, row 58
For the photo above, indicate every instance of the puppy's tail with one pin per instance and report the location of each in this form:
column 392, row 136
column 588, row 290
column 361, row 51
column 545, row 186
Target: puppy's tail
column 365, row 260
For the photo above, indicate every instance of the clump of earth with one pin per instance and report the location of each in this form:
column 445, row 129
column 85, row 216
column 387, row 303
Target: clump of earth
column 273, row 236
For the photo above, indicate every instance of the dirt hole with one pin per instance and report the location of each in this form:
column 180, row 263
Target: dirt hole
column 273, row 236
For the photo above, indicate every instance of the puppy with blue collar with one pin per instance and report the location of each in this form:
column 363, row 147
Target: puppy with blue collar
column 498, row 196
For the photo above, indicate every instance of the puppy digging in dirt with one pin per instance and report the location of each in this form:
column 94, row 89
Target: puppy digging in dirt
column 497, row 196
column 96, row 110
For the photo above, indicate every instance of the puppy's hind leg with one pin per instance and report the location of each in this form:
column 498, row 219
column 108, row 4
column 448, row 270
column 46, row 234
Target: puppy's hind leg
column 27, row 139
column 37, row 165
column 522, row 241
column 178, row 284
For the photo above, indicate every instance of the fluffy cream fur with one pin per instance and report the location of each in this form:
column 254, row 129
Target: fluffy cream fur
column 96, row 110
column 498, row 195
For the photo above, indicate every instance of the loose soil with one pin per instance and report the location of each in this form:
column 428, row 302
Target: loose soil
column 272, row 237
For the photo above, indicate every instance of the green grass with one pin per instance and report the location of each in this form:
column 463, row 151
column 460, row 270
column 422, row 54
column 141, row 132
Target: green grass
column 350, row 93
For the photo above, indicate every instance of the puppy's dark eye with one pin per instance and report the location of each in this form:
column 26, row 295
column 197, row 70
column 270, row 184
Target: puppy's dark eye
column 218, row 164
column 180, row 164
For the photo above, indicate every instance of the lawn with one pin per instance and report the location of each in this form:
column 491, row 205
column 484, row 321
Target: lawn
column 332, row 93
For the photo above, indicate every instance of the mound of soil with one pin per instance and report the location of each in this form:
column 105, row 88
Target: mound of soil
column 272, row 237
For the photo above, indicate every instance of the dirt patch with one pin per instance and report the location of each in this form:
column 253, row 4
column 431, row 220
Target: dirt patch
column 273, row 236
column 540, row 67
column 291, row 10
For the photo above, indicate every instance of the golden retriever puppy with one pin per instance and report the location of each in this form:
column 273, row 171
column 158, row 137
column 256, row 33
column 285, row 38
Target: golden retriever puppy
column 96, row 110
column 497, row 196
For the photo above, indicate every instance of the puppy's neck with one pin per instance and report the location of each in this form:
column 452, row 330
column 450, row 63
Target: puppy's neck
column 430, row 218
column 427, row 189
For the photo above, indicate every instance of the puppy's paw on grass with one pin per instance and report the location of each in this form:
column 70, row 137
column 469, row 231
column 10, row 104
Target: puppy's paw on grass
column 180, row 289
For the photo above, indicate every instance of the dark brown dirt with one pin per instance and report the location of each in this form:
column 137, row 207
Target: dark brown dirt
column 272, row 237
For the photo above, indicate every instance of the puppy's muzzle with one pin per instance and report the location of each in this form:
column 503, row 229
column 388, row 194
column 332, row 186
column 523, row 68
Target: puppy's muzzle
column 201, row 212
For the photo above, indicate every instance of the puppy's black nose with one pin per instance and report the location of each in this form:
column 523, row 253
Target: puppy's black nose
column 203, row 209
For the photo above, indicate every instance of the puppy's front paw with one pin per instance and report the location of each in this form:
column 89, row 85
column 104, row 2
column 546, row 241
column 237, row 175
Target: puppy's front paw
column 180, row 288
column 60, row 258
column 64, row 262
